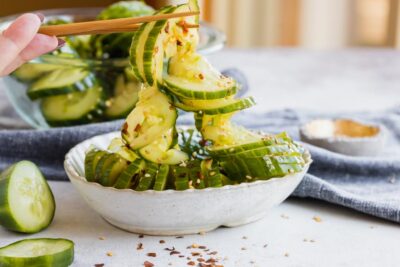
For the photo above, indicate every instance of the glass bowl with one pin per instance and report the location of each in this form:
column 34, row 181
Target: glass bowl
column 211, row 40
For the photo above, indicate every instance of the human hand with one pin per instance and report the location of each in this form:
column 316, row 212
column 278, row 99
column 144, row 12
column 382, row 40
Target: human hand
column 20, row 42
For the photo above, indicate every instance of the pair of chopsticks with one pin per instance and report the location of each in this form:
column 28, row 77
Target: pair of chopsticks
column 110, row 26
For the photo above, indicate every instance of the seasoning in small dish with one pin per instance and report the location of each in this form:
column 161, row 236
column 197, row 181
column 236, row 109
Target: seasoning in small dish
column 344, row 136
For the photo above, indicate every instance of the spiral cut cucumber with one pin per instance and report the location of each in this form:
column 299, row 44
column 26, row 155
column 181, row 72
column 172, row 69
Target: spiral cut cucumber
column 152, row 154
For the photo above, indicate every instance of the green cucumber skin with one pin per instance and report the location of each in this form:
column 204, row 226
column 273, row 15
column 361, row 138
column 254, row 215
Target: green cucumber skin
column 61, row 259
column 105, row 177
column 95, row 114
column 240, row 104
column 125, row 179
column 91, row 161
column 201, row 95
column 7, row 220
column 99, row 167
column 276, row 150
column 148, row 55
column 80, row 86
column 147, row 179
column 133, row 55
column 180, row 177
column 161, row 178
column 280, row 139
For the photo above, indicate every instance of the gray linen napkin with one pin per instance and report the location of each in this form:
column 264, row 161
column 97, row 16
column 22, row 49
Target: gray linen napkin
column 370, row 185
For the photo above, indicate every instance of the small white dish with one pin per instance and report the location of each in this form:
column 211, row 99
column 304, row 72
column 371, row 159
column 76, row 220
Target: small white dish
column 345, row 136
column 173, row 212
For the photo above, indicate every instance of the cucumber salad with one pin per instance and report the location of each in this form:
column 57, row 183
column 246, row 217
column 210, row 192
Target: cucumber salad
column 153, row 154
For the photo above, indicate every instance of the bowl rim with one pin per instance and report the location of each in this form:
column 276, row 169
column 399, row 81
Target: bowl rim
column 73, row 174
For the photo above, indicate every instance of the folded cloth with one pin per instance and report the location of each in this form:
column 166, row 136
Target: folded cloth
column 367, row 184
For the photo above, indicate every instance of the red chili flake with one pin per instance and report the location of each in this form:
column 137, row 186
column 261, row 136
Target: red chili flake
column 212, row 253
column 184, row 26
column 202, row 247
column 174, row 252
column 99, row 265
column 148, row 264
column 203, row 142
column 169, row 249
column 155, row 49
column 151, row 254
column 201, row 76
column 139, row 246
column 162, row 241
column 179, row 236
column 188, row 258
column 125, row 128
column 211, row 260
column 137, row 129
column 181, row 256
column 167, row 27
column 201, row 260
column 194, row 254
column 191, row 263
column 178, row 42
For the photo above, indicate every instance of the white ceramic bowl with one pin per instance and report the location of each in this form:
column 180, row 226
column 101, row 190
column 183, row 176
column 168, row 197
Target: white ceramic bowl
column 177, row 212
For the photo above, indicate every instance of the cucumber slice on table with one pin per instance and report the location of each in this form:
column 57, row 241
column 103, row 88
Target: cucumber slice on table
column 60, row 82
column 124, row 99
column 38, row 252
column 74, row 108
column 26, row 202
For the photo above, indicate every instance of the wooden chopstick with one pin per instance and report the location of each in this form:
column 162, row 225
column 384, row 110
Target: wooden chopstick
column 108, row 26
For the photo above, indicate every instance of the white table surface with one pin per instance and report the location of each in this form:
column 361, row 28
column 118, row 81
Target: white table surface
column 331, row 81
column 343, row 237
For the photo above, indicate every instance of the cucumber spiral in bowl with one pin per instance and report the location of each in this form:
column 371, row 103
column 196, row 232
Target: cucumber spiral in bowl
column 153, row 154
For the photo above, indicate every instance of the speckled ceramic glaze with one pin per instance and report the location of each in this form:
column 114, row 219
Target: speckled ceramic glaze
column 173, row 212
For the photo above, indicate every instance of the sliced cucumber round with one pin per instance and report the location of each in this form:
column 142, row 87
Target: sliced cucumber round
column 218, row 106
column 124, row 98
column 32, row 71
column 138, row 46
column 60, row 82
column 147, row 179
column 153, row 55
column 127, row 177
column 271, row 140
column 91, row 159
column 152, row 116
column 38, row 252
column 161, row 180
column 74, row 108
column 112, row 167
column 160, row 150
column 26, row 202
column 118, row 146
column 191, row 76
